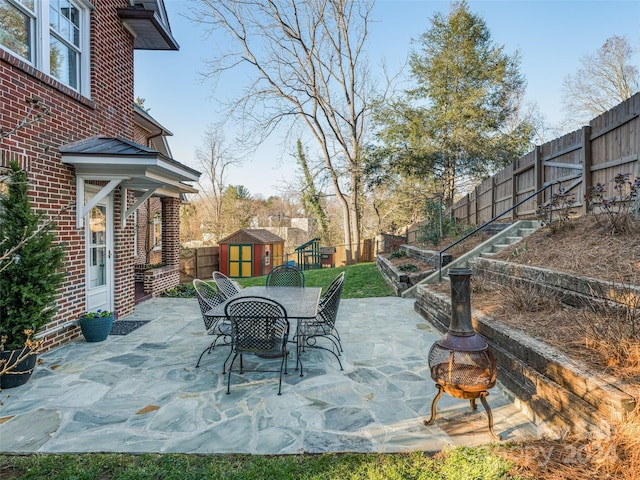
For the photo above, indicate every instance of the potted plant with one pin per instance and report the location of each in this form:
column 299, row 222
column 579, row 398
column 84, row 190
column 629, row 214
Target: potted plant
column 96, row 326
column 30, row 275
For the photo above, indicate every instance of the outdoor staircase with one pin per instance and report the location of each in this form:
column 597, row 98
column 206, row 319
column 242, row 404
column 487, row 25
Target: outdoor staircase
column 498, row 242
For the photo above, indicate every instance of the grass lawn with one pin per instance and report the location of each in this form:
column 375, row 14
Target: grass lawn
column 452, row 464
column 360, row 281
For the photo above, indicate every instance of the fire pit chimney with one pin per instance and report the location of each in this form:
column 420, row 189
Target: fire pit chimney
column 461, row 363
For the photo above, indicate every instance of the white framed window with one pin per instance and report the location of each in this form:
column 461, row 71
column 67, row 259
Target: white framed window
column 157, row 231
column 51, row 35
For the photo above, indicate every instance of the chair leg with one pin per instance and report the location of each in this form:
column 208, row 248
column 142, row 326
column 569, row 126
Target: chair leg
column 208, row 350
column 298, row 351
column 314, row 344
column 229, row 373
column 337, row 337
column 282, row 363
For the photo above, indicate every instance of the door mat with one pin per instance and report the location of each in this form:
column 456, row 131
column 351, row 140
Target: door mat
column 124, row 327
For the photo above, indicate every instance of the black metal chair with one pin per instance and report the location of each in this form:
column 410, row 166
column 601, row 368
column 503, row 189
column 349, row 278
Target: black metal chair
column 227, row 287
column 324, row 325
column 337, row 282
column 285, row 276
column 259, row 327
column 208, row 298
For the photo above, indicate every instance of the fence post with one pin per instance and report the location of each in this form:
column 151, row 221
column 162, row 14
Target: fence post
column 476, row 208
column 539, row 175
column 195, row 263
column 587, row 162
column 493, row 196
column 514, row 193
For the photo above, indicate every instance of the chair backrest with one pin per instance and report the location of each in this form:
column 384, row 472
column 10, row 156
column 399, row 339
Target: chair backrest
column 259, row 325
column 336, row 282
column 227, row 287
column 285, row 276
column 330, row 302
column 208, row 298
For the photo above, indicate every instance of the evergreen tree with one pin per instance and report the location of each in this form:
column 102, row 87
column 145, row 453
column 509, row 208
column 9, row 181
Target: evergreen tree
column 32, row 276
column 461, row 120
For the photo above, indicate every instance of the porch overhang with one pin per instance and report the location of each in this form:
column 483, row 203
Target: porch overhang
column 127, row 164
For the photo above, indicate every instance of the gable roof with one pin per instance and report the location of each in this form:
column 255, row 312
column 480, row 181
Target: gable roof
column 259, row 235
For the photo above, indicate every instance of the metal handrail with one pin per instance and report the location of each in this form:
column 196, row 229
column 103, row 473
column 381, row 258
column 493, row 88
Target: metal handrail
column 488, row 223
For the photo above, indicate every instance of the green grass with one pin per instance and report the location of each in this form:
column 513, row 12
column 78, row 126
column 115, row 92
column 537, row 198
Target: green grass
column 360, row 281
column 460, row 463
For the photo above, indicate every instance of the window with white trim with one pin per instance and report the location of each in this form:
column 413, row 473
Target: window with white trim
column 51, row 35
column 157, row 231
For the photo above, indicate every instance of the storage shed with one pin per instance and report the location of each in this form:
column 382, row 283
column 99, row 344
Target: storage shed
column 250, row 252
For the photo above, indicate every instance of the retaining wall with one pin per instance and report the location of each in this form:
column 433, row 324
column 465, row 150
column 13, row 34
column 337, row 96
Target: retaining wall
column 553, row 389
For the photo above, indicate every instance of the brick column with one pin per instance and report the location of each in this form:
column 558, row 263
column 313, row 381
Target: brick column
column 171, row 231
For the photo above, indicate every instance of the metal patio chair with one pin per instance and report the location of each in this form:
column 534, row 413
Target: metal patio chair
column 285, row 276
column 324, row 325
column 259, row 327
column 227, row 287
column 209, row 297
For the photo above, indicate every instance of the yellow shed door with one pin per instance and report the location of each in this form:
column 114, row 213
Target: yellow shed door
column 240, row 260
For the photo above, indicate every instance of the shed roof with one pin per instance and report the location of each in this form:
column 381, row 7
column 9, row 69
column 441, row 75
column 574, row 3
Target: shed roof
column 259, row 235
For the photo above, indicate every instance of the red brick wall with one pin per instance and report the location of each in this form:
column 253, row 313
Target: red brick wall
column 171, row 231
column 108, row 112
column 144, row 228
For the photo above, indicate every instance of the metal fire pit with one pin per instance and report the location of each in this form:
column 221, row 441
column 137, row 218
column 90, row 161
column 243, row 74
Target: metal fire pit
column 461, row 363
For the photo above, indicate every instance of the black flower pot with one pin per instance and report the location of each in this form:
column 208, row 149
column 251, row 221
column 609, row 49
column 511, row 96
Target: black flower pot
column 20, row 374
column 96, row 329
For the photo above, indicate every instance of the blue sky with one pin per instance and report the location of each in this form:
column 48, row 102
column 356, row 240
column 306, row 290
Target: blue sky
column 551, row 36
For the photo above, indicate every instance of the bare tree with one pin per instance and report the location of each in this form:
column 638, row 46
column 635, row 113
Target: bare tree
column 606, row 78
column 215, row 157
column 309, row 66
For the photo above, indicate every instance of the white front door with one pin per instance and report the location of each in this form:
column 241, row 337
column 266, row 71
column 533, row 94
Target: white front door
column 99, row 261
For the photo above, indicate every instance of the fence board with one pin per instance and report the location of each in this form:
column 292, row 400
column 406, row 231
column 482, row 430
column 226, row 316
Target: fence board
column 367, row 253
column 198, row 263
column 607, row 147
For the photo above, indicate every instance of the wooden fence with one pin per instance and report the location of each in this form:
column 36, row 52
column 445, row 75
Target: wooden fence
column 367, row 253
column 576, row 161
column 198, row 263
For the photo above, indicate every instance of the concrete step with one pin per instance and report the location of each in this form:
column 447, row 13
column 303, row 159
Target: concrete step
column 523, row 232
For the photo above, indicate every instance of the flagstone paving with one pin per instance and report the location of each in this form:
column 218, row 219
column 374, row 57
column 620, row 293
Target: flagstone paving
column 141, row 393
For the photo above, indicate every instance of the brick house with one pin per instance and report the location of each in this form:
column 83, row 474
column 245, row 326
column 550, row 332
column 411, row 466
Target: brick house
column 96, row 162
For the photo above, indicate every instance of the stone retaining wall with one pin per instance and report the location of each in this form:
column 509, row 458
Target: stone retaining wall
column 397, row 279
column 430, row 257
column 400, row 280
column 571, row 289
column 553, row 389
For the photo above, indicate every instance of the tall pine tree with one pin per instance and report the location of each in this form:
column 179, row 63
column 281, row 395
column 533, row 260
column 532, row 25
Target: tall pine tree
column 32, row 274
column 461, row 120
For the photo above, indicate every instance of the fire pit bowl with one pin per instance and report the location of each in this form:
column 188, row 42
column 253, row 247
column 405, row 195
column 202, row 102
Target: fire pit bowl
column 460, row 362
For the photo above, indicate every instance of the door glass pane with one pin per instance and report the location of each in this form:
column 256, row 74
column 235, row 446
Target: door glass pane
column 97, row 246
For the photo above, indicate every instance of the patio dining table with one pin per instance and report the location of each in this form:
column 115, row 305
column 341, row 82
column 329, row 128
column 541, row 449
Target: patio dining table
column 300, row 303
